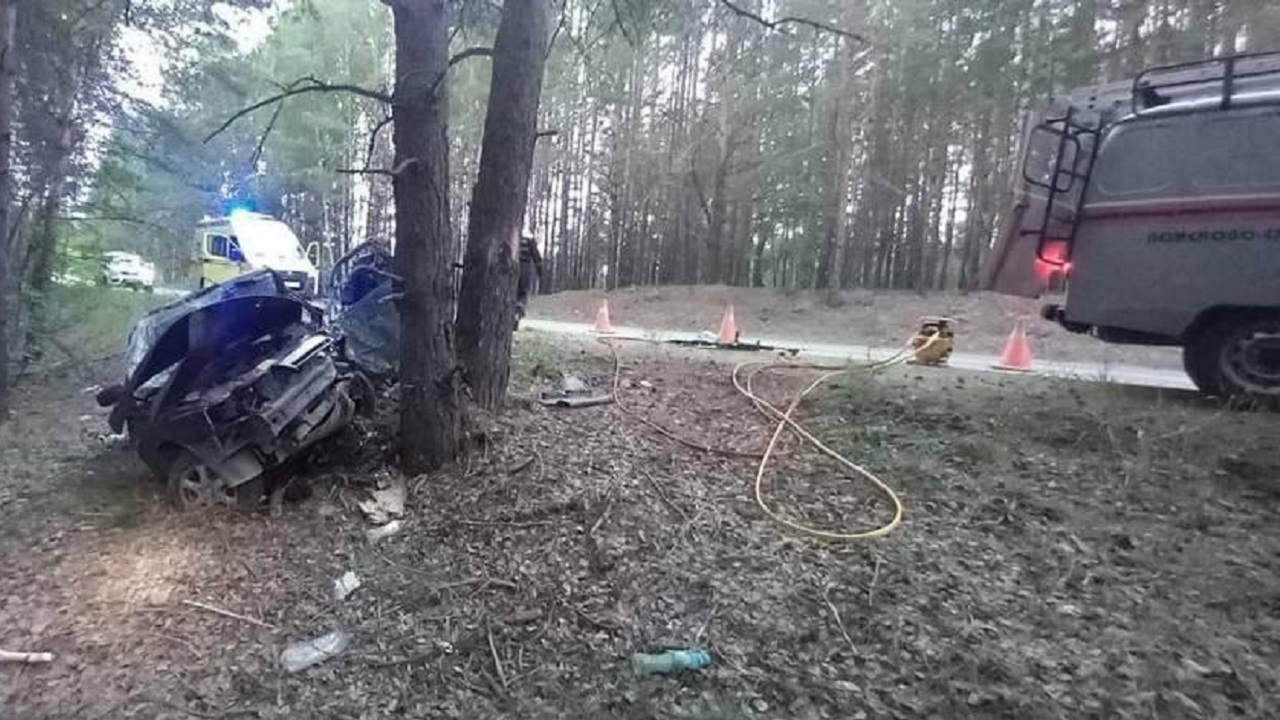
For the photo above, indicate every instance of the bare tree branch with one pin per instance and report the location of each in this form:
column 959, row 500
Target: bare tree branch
column 373, row 138
column 262, row 141
column 564, row 15
column 465, row 54
column 404, row 165
column 702, row 196
column 301, row 86
column 471, row 52
column 622, row 27
column 790, row 20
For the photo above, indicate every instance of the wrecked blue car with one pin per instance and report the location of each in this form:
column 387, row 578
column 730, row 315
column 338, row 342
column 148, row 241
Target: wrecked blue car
column 225, row 384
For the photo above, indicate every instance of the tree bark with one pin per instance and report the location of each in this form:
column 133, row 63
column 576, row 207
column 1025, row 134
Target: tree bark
column 8, row 63
column 429, row 406
column 486, row 308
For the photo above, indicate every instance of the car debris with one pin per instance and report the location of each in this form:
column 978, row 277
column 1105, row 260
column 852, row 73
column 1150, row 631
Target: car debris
column 573, row 392
column 386, row 502
column 381, row 532
column 345, row 585
column 361, row 291
column 25, row 658
column 229, row 382
column 300, row 656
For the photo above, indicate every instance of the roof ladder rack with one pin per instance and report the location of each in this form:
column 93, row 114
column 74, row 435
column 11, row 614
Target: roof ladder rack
column 1222, row 83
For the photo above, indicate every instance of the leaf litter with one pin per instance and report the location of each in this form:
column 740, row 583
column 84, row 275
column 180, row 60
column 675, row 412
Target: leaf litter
column 1042, row 570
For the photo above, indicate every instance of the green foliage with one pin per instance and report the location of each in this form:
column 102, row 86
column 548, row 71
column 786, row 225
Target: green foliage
column 692, row 143
column 159, row 176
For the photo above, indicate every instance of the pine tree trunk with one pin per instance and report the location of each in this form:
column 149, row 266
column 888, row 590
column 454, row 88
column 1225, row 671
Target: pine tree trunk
column 429, row 398
column 8, row 66
column 486, row 304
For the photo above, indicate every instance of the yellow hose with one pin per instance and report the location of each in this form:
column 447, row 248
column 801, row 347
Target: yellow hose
column 785, row 420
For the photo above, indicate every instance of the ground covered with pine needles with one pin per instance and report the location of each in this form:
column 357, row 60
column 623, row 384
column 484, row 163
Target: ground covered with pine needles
column 1069, row 550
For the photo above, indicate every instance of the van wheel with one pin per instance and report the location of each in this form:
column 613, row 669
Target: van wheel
column 1241, row 355
column 1198, row 362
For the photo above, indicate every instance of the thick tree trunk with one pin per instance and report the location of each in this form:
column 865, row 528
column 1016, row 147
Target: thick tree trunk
column 8, row 64
column 429, row 407
column 486, row 309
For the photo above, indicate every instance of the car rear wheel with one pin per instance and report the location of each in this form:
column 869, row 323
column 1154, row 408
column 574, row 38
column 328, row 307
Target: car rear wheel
column 193, row 485
column 1241, row 354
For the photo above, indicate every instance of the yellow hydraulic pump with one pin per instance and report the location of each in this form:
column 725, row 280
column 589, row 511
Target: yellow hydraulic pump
column 934, row 341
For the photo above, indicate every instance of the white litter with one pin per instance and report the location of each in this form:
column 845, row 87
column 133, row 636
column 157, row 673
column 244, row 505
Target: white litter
column 345, row 585
column 300, row 656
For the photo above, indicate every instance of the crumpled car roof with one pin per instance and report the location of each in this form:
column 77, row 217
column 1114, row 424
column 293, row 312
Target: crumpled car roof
column 152, row 348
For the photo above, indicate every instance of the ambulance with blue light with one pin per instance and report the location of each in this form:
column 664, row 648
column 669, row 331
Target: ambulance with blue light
column 245, row 241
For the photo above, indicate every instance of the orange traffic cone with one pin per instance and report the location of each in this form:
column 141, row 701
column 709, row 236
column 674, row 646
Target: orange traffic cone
column 728, row 329
column 1017, row 350
column 603, row 325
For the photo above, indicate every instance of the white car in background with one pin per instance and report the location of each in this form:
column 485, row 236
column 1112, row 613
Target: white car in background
column 123, row 269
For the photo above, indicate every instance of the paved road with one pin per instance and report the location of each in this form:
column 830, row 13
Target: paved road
column 1089, row 371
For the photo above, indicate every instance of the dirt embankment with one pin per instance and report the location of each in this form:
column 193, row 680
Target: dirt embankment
column 877, row 318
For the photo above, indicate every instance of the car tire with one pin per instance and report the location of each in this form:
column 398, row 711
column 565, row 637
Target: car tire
column 194, row 486
column 1198, row 362
column 1240, row 354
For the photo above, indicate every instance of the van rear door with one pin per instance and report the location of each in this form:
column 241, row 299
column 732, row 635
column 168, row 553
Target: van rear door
column 1032, row 254
column 1011, row 267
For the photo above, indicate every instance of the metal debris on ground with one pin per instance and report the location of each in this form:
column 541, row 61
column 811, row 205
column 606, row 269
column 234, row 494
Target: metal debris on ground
column 345, row 585
column 707, row 341
column 573, row 392
column 25, row 658
column 300, row 656
column 374, row 534
column 572, row 384
column 385, row 502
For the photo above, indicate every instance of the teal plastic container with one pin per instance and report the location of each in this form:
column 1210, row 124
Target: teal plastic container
column 669, row 662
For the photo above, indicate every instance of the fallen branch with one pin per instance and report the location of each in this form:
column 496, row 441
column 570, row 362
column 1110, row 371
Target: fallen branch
column 228, row 613
column 476, row 581
column 497, row 661
column 776, row 25
column 826, row 597
column 26, row 658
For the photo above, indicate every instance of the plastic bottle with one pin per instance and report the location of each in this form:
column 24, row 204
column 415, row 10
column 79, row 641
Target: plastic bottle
column 669, row 661
column 300, row 656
